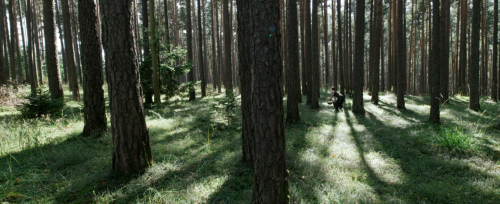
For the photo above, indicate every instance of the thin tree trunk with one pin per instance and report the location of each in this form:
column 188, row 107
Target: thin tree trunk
column 315, row 64
column 146, row 68
column 434, row 69
column 474, row 57
column 154, row 53
column 75, row 33
column 494, row 81
column 63, row 49
column 214, row 44
column 401, row 51
column 189, row 38
column 340, row 50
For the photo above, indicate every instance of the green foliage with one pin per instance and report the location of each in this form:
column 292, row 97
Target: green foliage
column 171, row 66
column 39, row 104
column 228, row 106
column 456, row 139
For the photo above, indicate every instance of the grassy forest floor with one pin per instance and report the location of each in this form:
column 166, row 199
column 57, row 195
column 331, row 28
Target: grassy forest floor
column 385, row 156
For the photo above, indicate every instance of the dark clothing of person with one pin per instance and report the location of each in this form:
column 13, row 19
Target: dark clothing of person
column 340, row 100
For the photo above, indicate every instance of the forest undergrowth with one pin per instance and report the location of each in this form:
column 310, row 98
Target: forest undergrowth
column 384, row 156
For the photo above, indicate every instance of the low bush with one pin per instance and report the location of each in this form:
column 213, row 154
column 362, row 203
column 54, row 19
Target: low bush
column 39, row 104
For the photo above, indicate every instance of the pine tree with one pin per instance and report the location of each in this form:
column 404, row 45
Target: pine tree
column 359, row 43
column 132, row 147
column 474, row 57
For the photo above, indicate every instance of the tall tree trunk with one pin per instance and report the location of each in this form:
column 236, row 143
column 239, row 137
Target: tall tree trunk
column 494, row 79
column 422, row 52
column 27, row 64
column 359, row 43
column 435, row 65
column 378, row 16
column 200, row 54
column 68, row 41
column 30, row 65
column 270, row 174
column 3, row 67
column 215, row 73
column 51, row 59
column 227, row 48
column 63, row 49
column 75, row 33
column 308, row 50
column 131, row 144
column 315, row 65
column 244, row 20
column 474, row 57
column 219, row 49
column 154, row 52
column 94, row 103
column 146, row 68
column 444, row 59
column 14, row 45
column 37, row 46
column 334, row 51
column 325, row 41
column 340, row 51
column 292, row 80
column 401, row 63
column 189, row 36
column 303, row 46
column 463, row 47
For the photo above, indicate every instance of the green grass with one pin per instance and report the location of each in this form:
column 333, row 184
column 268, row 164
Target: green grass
column 384, row 156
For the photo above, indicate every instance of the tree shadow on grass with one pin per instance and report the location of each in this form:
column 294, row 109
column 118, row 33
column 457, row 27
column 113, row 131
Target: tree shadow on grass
column 427, row 175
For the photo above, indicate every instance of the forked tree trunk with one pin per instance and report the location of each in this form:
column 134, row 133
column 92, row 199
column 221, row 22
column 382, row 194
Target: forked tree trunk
column 131, row 144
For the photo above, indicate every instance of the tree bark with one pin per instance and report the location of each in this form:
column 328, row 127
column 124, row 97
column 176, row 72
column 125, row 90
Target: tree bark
column 146, row 68
column 51, row 59
column 474, row 57
column 227, row 48
column 63, row 50
column 434, row 69
column 270, row 174
column 315, row 65
column 340, row 50
column 70, row 58
column 494, row 79
column 14, row 45
column 401, row 64
column 94, row 103
column 215, row 67
column 200, row 54
column 131, row 144
column 3, row 67
column 189, row 37
column 308, row 50
column 245, row 74
column 303, row 46
column 292, row 83
column 359, row 43
column 154, row 52
column 463, row 47
column 325, row 41
column 37, row 46
column 376, row 52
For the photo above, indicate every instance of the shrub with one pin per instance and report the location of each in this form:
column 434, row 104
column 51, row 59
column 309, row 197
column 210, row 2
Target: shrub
column 40, row 103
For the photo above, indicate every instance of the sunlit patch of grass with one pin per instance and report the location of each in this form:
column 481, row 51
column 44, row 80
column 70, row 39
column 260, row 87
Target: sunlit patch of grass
column 384, row 156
